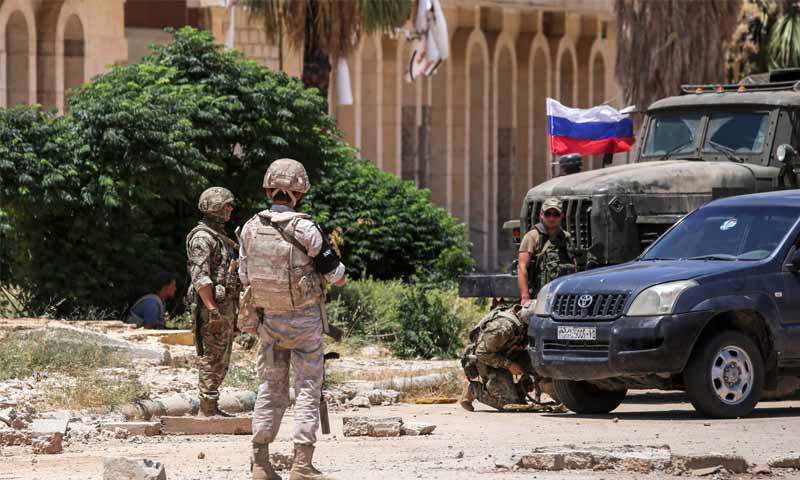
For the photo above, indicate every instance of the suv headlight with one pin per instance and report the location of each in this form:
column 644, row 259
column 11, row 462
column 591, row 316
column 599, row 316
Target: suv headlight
column 659, row 299
column 544, row 301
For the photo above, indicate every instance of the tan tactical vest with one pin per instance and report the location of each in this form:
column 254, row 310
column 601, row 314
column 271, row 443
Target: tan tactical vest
column 282, row 275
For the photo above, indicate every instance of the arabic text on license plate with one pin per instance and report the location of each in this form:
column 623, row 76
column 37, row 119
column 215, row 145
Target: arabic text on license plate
column 577, row 333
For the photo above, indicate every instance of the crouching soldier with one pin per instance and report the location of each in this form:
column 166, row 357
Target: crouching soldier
column 495, row 356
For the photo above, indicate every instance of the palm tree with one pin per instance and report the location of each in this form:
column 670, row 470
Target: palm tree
column 327, row 29
column 662, row 44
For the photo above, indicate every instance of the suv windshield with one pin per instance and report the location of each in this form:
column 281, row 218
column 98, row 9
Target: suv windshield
column 726, row 233
column 673, row 133
column 737, row 132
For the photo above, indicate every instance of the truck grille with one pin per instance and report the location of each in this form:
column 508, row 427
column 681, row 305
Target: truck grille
column 585, row 348
column 577, row 219
column 603, row 306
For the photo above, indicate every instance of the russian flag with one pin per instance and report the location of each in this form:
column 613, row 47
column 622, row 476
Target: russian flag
column 594, row 131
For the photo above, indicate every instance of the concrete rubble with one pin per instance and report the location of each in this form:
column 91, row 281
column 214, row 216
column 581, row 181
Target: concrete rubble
column 383, row 427
column 122, row 468
column 637, row 459
column 18, row 427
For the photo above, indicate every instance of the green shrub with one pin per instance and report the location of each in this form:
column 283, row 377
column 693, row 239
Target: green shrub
column 413, row 320
column 93, row 203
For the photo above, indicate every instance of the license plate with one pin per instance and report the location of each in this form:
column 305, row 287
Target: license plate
column 577, row 333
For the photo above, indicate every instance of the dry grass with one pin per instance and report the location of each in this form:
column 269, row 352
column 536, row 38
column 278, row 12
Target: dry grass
column 78, row 366
column 96, row 392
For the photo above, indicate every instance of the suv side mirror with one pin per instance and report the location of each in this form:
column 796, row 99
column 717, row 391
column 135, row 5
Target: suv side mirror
column 793, row 265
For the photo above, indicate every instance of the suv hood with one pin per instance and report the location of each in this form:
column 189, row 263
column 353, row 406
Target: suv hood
column 636, row 275
column 675, row 177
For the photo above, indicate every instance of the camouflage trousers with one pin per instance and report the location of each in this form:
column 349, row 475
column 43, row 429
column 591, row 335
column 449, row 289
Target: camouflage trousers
column 497, row 388
column 213, row 364
column 289, row 339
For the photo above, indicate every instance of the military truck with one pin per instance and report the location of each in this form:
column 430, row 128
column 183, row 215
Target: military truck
column 708, row 142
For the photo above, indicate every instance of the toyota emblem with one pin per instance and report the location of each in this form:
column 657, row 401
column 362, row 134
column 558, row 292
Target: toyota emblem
column 585, row 301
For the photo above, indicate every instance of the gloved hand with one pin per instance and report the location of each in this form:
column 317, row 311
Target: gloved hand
column 215, row 322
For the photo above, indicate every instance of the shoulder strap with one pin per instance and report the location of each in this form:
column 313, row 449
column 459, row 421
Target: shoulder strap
column 222, row 238
column 286, row 236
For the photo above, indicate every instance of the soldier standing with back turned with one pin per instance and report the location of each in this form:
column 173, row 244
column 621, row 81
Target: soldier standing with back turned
column 285, row 259
column 213, row 294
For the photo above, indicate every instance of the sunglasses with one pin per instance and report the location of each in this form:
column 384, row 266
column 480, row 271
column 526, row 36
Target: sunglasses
column 552, row 214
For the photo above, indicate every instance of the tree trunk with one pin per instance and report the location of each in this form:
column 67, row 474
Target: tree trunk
column 316, row 70
column 316, row 64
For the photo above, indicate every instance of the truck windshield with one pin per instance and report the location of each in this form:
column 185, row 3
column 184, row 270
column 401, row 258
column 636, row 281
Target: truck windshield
column 673, row 134
column 736, row 132
column 726, row 234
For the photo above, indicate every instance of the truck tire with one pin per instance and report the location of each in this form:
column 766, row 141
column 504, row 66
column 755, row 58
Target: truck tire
column 583, row 397
column 725, row 375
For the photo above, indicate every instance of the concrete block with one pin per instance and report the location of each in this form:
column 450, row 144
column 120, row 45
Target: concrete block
column 206, row 425
column 372, row 427
column 144, row 429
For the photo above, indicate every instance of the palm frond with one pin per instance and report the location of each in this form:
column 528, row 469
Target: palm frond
column 335, row 26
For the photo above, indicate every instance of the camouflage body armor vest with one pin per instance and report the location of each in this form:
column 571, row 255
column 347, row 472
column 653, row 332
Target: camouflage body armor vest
column 553, row 258
column 282, row 276
column 224, row 268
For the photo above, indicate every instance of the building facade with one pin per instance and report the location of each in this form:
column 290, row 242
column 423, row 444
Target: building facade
column 474, row 133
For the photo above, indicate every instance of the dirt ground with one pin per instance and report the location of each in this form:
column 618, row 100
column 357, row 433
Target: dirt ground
column 487, row 439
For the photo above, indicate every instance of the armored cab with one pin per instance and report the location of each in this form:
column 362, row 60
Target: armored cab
column 708, row 142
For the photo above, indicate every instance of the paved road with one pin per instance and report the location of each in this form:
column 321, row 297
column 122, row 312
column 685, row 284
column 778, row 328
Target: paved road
column 484, row 437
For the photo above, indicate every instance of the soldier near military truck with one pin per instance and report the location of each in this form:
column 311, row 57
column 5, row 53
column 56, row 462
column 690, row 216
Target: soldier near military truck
column 496, row 364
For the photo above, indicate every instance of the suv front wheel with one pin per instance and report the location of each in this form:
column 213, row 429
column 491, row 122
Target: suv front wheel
column 583, row 397
column 725, row 375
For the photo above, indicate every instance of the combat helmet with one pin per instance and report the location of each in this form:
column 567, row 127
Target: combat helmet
column 214, row 198
column 287, row 175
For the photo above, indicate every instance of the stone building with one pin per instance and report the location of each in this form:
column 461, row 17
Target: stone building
column 474, row 133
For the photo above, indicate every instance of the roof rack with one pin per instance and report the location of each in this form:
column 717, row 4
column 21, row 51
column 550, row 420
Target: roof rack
column 793, row 85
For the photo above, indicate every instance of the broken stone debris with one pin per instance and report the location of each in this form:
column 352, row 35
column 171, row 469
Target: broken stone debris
column 414, row 429
column 41, row 443
column 788, row 462
column 122, row 468
column 638, row 459
column 731, row 463
column 48, row 444
column 383, row 427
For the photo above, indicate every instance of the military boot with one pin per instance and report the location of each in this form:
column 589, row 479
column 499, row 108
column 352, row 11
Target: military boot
column 302, row 468
column 260, row 465
column 467, row 397
column 210, row 408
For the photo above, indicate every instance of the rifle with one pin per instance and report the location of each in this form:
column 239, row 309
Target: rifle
column 323, row 404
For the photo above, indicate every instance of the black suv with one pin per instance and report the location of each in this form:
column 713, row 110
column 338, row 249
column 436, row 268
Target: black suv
column 712, row 307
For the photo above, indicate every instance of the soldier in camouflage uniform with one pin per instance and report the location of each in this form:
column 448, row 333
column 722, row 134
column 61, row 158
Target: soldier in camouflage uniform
column 285, row 259
column 548, row 249
column 214, row 293
column 497, row 350
column 495, row 355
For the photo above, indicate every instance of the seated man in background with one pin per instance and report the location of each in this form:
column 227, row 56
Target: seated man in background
column 148, row 311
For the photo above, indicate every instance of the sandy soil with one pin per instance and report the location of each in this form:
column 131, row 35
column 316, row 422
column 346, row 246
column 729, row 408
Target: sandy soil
column 487, row 439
